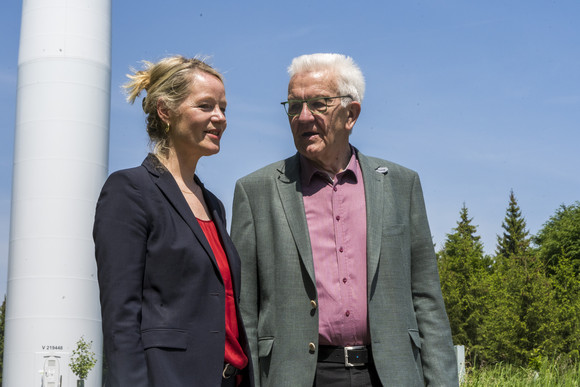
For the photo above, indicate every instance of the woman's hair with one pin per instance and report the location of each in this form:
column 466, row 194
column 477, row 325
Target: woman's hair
column 349, row 78
column 168, row 80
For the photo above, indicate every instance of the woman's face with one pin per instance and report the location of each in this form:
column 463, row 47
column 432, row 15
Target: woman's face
column 199, row 121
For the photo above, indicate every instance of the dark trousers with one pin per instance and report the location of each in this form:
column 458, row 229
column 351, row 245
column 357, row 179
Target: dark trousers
column 337, row 375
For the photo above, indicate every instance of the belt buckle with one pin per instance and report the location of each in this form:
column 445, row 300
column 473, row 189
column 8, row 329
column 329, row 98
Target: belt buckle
column 346, row 349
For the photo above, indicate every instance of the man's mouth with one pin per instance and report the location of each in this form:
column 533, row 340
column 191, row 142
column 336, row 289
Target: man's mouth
column 309, row 134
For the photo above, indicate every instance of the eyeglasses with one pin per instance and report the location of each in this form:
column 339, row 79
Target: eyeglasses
column 316, row 105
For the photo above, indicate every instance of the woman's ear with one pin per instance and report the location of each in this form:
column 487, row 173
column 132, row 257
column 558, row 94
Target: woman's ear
column 163, row 111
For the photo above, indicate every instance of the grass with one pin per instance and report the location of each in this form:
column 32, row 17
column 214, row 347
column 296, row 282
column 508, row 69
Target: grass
column 549, row 374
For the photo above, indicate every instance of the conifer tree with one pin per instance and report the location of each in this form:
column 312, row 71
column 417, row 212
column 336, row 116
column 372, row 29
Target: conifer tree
column 559, row 236
column 559, row 249
column 463, row 270
column 514, row 240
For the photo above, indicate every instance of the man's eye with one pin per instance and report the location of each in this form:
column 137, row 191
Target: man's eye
column 317, row 105
column 294, row 107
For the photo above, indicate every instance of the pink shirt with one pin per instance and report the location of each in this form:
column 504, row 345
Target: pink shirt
column 336, row 217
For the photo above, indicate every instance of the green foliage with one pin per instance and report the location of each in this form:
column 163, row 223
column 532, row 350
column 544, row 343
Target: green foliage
column 520, row 322
column 83, row 359
column 559, row 249
column 514, row 240
column 549, row 373
column 463, row 271
column 560, row 236
column 523, row 306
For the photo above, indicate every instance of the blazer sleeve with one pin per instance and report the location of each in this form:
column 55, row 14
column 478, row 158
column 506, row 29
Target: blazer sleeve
column 120, row 235
column 244, row 237
column 437, row 354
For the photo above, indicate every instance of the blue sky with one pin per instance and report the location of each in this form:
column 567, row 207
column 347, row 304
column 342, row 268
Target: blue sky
column 479, row 97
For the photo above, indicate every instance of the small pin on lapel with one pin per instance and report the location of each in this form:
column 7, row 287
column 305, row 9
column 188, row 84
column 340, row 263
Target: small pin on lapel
column 383, row 170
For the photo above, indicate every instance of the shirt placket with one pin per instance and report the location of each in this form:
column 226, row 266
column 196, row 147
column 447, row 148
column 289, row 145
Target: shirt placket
column 342, row 254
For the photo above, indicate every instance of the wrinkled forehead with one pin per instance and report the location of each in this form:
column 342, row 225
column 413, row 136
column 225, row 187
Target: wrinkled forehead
column 312, row 84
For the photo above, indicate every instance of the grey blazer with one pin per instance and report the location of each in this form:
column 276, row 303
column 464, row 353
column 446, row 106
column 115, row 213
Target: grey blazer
column 409, row 329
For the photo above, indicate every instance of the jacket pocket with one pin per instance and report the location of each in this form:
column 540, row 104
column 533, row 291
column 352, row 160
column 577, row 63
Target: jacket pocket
column 265, row 346
column 416, row 348
column 415, row 337
column 164, row 338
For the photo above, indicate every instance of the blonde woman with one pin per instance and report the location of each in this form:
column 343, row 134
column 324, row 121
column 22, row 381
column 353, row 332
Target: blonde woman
column 169, row 275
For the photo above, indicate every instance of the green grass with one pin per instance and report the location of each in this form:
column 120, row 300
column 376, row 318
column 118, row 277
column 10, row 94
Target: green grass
column 549, row 374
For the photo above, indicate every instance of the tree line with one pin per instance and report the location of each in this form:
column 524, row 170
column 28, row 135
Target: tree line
column 520, row 305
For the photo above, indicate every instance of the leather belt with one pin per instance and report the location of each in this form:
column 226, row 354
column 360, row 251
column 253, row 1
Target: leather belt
column 353, row 356
column 229, row 371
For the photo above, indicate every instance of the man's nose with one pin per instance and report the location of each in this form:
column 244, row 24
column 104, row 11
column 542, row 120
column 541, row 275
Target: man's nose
column 305, row 113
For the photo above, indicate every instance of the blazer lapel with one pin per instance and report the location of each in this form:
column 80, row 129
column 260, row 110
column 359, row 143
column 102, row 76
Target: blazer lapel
column 170, row 189
column 289, row 188
column 377, row 199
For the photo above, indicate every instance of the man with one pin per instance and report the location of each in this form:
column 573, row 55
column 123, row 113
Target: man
column 339, row 275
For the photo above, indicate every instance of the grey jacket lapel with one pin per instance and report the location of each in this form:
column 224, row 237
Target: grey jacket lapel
column 377, row 199
column 289, row 188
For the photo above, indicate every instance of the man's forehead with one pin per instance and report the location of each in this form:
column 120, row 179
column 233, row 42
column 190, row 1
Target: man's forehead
column 313, row 83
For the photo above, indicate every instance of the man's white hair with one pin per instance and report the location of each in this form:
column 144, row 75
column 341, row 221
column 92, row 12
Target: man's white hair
column 349, row 77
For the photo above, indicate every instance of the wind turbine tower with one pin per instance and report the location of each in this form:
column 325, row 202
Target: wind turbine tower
column 60, row 164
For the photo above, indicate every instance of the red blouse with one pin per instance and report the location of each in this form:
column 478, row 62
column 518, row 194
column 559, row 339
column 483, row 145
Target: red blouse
column 234, row 354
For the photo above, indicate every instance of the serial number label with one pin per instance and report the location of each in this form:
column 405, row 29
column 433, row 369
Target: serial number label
column 52, row 347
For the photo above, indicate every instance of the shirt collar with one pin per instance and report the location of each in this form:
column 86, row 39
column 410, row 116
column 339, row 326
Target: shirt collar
column 308, row 169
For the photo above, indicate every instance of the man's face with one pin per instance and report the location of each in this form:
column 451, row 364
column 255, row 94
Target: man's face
column 321, row 138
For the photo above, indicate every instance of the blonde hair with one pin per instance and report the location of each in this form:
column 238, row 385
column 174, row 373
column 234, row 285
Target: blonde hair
column 168, row 80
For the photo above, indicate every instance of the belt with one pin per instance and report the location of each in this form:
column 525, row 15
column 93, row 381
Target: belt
column 353, row 356
column 229, row 371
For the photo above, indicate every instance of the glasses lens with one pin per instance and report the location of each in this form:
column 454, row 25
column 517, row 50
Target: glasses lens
column 317, row 105
column 294, row 107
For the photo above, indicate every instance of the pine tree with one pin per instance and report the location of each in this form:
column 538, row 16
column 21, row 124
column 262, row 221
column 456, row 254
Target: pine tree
column 560, row 236
column 463, row 271
column 559, row 249
column 514, row 240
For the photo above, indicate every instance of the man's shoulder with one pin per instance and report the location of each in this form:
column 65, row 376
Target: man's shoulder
column 271, row 170
column 384, row 166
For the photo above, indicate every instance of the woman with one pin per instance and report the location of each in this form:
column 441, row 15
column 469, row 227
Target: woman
column 169, row 275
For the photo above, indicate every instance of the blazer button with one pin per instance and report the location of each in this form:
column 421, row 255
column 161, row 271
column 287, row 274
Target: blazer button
column 313, row 304
column 311, row 347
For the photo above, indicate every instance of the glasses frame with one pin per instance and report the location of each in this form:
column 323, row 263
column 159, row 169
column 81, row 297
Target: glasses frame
column 307, row 101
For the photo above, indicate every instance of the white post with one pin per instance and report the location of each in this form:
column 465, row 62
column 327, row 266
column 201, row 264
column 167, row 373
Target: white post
column 60, row 163
column 460, row 355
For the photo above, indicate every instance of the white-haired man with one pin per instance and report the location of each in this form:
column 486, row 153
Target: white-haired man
column 339, row 276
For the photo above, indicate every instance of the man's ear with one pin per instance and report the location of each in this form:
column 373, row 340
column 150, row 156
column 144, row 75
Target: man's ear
column 163, row 111
column 353, row 111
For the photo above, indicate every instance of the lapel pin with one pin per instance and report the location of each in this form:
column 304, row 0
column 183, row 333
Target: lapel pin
column 383, row 170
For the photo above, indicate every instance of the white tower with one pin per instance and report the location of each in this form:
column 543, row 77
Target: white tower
column 60, row 163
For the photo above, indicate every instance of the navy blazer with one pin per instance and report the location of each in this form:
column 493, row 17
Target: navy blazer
column 162, row 295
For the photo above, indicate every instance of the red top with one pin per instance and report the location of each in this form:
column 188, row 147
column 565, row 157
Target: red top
column 234, row 354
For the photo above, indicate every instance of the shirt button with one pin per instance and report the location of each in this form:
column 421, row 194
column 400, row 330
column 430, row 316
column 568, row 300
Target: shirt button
column 335, row 188
column 311, row 347
column 313, row 304
column 347, row 313
column 341, row 249
column 337, row 217
column 344, row 280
